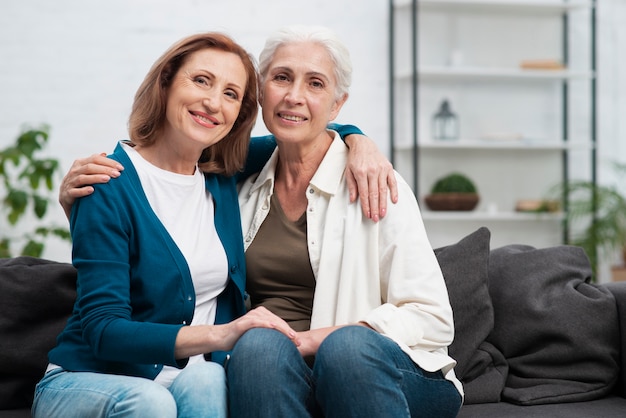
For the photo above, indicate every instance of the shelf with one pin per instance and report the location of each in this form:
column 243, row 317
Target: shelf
column 473, row 73
column 509, row 6
column 524, row 145
column 482, row 216
column 522, row 128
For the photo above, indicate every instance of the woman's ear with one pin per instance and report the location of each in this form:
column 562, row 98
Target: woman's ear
column 337, row 106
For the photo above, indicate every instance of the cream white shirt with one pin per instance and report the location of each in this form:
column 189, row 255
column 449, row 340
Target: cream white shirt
column 383, row 273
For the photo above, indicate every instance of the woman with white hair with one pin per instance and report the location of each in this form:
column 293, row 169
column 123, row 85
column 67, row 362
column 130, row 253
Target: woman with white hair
column 368, row 298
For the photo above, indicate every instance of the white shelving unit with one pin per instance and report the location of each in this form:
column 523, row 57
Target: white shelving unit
column 522, row 131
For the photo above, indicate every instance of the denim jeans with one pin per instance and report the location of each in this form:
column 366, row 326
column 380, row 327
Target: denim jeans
column 356, row 373
column 198, row 391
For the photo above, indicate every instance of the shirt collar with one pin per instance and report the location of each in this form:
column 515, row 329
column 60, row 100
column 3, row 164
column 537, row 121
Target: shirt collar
column 328, row 176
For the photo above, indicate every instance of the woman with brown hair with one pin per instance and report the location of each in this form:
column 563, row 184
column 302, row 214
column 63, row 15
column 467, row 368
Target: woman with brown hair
column 158, row 250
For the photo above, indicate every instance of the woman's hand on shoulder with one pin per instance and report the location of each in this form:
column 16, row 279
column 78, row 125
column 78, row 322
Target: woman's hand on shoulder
column 83, row 173
column 370, row 177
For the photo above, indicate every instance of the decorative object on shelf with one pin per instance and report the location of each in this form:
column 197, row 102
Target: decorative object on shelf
column 445, row 123
column 547, row 64
column 537, row 205
column 453, row 192
column 597, row 216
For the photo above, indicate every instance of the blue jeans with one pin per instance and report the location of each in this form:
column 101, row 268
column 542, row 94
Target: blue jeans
column 356, row 373
column 198, row 391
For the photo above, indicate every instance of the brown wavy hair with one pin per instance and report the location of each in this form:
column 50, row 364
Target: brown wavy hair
column 147, row 118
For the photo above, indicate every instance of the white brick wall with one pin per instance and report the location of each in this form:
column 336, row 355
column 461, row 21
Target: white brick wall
column 76, row 64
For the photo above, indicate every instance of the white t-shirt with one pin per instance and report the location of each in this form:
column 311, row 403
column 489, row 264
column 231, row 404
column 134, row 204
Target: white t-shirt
column 186, row 209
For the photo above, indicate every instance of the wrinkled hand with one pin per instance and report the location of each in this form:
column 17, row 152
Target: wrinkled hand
column 83, row 173
column 259, row 317
column 198, row 339
column 311, row 340
column 370, row 177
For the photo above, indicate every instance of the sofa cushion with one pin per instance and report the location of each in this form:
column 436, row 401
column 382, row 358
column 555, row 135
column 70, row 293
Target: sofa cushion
column 557, row 331
column 480, row 366
column 36, row 297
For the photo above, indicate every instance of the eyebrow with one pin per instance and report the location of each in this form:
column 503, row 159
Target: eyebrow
column 309, row 73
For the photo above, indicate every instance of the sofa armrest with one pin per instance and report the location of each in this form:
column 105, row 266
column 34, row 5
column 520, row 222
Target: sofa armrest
column 618, row 289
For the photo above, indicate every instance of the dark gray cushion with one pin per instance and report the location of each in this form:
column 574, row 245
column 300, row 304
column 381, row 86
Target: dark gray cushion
column 36, row 298
column 480, row 366
column 609, row 407
column 558, row 332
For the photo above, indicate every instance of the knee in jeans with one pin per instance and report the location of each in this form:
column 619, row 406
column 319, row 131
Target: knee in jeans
column 259, row 341
column 206, row 374
column 261, row 350
column 346, row 342
column 152, row 401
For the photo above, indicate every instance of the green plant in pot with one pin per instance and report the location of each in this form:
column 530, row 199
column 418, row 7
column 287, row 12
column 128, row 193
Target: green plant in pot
column 596, row 216
column 454, row 191
column 26, row 185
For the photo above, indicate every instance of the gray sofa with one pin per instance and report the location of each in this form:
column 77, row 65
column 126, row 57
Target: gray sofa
column 533, row 337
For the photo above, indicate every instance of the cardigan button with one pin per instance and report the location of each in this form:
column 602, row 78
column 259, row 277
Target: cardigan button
column 233, row 269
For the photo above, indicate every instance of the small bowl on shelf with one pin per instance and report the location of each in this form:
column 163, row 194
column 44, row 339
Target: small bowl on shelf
column 452, row 201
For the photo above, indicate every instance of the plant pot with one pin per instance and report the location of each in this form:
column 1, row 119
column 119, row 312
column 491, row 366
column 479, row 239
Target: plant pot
column 452, row 201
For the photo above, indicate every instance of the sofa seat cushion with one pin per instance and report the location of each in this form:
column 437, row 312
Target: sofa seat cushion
column 558, row 332
column 609, row 407
column 36, row 297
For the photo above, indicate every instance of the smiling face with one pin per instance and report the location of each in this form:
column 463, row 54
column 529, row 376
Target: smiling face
column 204, row 98
column 299, row 92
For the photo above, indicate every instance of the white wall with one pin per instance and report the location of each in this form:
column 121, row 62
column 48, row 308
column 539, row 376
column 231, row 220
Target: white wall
column 76, row 64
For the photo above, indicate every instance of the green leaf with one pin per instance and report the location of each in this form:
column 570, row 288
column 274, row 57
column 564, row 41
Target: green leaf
column 5, row 248
column 32, row 140
column 33, row 248
column 17, row 201
column 41, row 205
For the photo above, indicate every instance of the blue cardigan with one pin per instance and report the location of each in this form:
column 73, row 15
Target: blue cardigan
column 134, row 289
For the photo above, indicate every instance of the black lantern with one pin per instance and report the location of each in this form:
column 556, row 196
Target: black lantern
column 445, row 123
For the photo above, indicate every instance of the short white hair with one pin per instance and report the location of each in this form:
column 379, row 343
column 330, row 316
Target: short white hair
column 320, row 35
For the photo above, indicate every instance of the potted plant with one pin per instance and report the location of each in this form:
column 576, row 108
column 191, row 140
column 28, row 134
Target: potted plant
column 454, row 191
column 26, row 183
column 596, row 216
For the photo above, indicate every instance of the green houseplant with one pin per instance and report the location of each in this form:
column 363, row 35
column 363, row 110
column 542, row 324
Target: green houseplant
column 26, row 184
column 454, row 191
column 596, row 216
